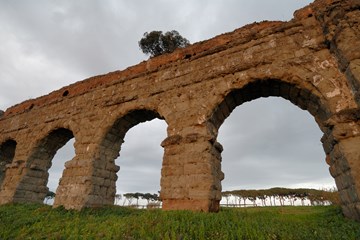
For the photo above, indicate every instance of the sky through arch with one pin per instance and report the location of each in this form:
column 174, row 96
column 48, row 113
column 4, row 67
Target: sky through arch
column 141, row 158
column 278, row 146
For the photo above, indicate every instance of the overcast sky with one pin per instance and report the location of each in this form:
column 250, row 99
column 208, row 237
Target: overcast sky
column 49, row 44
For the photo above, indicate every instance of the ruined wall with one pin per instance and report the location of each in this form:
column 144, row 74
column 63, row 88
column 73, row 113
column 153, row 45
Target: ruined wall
column 312, row 60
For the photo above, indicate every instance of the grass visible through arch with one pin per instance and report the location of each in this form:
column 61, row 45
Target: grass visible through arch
column 28, row 221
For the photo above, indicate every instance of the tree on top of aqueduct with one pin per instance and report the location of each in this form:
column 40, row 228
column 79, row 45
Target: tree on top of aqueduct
column 156, row 43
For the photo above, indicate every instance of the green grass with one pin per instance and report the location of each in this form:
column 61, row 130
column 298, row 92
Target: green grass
column 22, row 221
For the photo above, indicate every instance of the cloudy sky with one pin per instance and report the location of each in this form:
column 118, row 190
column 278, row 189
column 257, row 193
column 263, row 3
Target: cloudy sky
column 49, row 44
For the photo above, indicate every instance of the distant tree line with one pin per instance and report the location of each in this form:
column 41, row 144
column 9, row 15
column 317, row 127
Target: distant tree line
column 268, row 197
column 128, row 199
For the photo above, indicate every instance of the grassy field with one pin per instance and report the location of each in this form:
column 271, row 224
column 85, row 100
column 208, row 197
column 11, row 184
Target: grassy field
column 21, row 221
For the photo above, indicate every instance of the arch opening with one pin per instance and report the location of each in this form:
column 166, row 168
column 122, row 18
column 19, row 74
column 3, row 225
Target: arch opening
column 132, row 159
column 306, row 99
column 41, row 160
column 65, row 153
column 271, row 143
column 141, row 161
column 7, row 153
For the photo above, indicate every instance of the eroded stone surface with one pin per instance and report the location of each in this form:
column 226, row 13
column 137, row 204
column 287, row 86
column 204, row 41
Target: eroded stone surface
column 312, row 60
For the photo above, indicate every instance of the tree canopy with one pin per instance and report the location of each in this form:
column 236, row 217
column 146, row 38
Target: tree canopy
column 316, row 197
column 156, row 43
column 49, row 195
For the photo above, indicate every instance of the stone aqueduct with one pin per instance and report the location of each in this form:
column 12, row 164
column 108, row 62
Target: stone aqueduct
column 312, row 61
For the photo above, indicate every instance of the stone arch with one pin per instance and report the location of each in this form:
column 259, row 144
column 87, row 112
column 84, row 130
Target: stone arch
column 7, row 153
column 300, row 96
column 109, row 149
column 40, row 160
column 307, row 99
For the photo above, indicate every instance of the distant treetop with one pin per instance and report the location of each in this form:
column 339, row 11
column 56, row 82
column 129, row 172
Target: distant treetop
column 156, row 43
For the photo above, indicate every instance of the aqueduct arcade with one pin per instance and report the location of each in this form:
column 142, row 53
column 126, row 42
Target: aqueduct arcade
column 312, row 61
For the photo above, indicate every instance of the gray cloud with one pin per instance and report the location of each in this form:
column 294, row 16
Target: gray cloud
column 50, row 44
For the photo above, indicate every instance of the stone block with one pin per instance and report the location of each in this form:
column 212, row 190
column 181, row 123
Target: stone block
column 345, row 180
column 173, row 181
column 94, row 201
column 172, row 170
column 350, row 150
column 171, row 140
column 199, row 194
column 342, row 165
column 99, row 181
column 197, row 168
column 353, row 77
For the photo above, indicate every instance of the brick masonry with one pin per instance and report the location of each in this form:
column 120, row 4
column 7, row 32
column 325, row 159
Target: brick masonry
column 312, row 60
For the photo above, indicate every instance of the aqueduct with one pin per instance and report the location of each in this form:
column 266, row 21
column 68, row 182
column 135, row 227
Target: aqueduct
column 312, row 61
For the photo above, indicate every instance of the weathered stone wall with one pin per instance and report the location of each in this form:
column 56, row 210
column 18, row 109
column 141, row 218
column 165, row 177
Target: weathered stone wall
column 312, row 60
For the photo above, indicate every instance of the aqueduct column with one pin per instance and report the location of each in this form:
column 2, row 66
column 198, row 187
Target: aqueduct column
column 77, row 182
column 87, row 179
column 341, row 144
column 12, row 176
column 191, row 172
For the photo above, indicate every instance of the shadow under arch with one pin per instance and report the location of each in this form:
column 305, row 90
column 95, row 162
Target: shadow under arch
column 7, row 153
column 36, row 177
column 110, row 147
